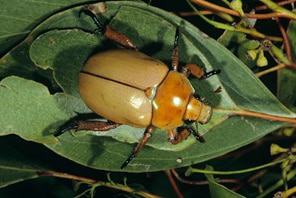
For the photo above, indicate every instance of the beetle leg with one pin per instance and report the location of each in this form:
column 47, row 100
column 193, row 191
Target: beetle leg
column 197, row 136
column 109, row 33
column 175, row 56
column 147, row 134
column 211, row 73
column 171, row 135
column 86, row 125
column 197, row 71
column 176, row 138
column 119, row 38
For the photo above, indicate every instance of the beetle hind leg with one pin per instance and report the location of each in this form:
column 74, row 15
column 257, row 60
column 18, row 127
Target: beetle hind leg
column 108, row 32
column 86, row 125
column 147, row 134
column 198, row 72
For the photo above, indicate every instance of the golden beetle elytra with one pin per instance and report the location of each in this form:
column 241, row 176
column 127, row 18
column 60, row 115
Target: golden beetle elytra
column 128, row 87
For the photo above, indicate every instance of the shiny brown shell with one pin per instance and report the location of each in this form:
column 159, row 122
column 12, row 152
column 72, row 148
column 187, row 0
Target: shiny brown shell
column 119, row 85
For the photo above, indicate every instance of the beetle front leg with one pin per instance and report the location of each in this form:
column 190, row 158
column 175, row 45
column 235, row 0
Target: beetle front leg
column 175, row 56
column 86, row 125
column 147, row 134
column 109, row 33
column 197, row 136
column 176, row 138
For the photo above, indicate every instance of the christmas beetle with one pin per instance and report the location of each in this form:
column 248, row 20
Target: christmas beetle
column 128, row 87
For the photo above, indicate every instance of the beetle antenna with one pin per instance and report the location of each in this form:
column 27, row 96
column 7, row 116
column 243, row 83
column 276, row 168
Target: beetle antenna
column 218, row 90
column 101, row 27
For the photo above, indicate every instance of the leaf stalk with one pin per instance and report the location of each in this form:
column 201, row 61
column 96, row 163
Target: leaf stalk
column 249, row 113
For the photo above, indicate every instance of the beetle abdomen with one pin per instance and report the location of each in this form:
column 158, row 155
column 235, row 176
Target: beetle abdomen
column 113, row 84
column 128, row 67
column 114, row 101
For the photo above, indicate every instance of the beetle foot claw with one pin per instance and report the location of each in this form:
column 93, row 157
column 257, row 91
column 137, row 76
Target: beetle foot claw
column 199, row 138
column 211, row 73
column 127, row 161
column 72, row 124
column 170, row 139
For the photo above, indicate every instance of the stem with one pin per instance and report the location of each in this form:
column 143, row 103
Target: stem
column 195, row 170
column 217, row 8
column 224, row 26
column 258, row 115
column 264, row 116
column 96, row 182
column 180, row 179
column 276, row 68
column 285, row 38
column 278, row 184
column 281, row 3
column 173, row 182
column 278, row 9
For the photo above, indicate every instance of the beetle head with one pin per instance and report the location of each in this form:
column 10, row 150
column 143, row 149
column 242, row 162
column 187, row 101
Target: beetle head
column 198, row 111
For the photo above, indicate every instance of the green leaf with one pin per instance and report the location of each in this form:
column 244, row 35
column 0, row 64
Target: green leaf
column 21, row 22
column 217, row 190
column 30, row 111
column 63, row 43
column 18, row 18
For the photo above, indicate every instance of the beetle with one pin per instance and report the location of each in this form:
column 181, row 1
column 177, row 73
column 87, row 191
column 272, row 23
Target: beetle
column 128, row 87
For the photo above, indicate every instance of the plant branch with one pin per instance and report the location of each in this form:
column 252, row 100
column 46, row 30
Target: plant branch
column 216, row 8
column 173, row 182
column 278, row 9
column 253, row 32
column 278, row 184
column 191, row 170
column 285, row 38
column 113, row 185
column 244, row 112
column 262, row 115
column 180, row 179
column 267, row 71
column 281, row 3
column 286, row 41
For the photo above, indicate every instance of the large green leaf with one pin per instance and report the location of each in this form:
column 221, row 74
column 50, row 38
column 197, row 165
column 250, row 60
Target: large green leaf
column 18, row 18
column 30, row 111
column 64, row 43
